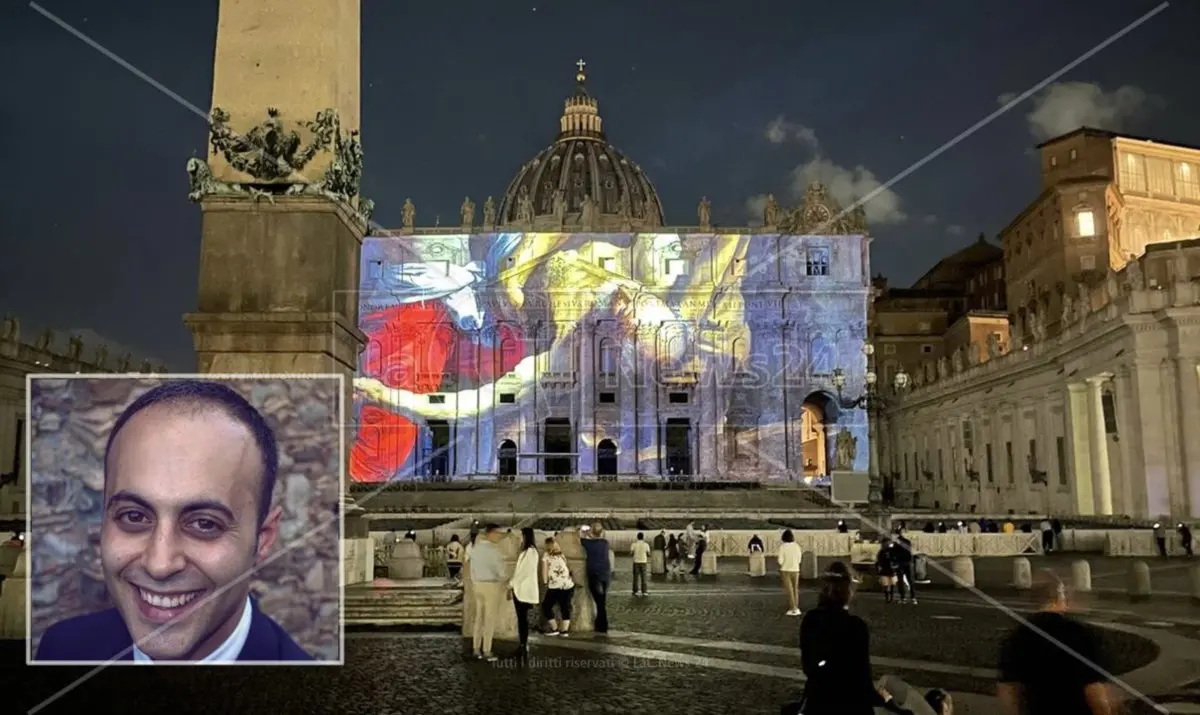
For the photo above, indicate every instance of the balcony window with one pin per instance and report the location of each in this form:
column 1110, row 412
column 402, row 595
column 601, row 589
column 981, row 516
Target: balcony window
column 1187, row 180
column 1133, row 173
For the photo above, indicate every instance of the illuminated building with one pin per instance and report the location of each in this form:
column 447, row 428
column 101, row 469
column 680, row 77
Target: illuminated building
column 572, row 322
column 1090, row 402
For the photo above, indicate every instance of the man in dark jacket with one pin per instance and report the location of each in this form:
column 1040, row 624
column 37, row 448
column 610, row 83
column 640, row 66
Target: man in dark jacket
column 905, row 577
column 599, row 572
column 701, row 547
column 660, row 541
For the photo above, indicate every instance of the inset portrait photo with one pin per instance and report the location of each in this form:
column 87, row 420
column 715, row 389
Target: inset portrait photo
column 185, row 519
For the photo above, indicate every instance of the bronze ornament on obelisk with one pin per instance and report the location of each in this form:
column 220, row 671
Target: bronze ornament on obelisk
column 282, row 219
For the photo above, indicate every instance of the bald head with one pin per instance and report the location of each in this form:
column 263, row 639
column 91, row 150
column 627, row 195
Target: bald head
column 1049, row 589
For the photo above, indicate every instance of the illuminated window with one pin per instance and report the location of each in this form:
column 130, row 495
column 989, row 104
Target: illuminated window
column 1133, row 173
column 1187, row 181
column 1085, row 223
column 817, row 262
column 1074, row 154
column 608, row 263
column 1053, row 161
column 1158, row 177
column 924, row 326
column 1087, row 263
column 676, row 267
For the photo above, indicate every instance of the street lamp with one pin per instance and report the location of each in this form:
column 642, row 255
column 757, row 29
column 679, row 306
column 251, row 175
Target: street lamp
column 875, row 402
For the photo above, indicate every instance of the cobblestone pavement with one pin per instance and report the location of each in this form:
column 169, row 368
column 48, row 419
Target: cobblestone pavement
column 714, row 646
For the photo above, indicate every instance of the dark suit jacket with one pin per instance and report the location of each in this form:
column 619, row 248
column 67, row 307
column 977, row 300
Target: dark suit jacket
column 102, row 636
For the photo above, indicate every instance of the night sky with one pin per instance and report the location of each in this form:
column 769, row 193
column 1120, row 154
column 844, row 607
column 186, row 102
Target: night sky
column 728, row 100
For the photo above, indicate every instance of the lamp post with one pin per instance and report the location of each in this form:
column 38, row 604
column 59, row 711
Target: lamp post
column 875, row 402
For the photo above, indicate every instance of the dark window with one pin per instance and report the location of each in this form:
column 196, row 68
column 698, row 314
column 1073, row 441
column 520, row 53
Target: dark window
column 1060, row 445
column 817, row 263
column 678, row 398
column 941, row 472
column 608, row 398
column 1008, row 457
column 437, row 399
column 991, row 474
column 1109, row 403
column 507, row 398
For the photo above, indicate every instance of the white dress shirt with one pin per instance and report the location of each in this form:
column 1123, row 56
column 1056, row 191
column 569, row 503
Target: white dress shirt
column 227, row 652
column 524, row 581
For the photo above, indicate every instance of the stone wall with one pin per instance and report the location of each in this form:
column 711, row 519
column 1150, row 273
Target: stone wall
column 70, row 422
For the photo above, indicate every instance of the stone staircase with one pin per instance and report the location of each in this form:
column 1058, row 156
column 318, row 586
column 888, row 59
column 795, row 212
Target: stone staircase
column 419, row 604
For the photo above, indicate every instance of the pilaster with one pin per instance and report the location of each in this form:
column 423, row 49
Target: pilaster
column 1188, row 376
column 1078, row 453
column 1149, row 442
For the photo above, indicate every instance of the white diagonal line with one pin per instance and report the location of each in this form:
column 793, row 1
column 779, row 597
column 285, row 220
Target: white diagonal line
column 112, row 56
column 792, row 248
column 983, row 596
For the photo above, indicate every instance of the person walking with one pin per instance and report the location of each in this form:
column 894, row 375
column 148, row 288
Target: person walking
column 885, row 567
column 673, row 555
column 641, row 564
column 789, row 558
column 454, row 558
column 701, row 547
column 560, row 589
column 1053, row 663
column 1047, row 530
column 1160, row 539
column 488, row 580
column 1185, row 538
column 523, row 588
column 905, row 575
column 599, row 573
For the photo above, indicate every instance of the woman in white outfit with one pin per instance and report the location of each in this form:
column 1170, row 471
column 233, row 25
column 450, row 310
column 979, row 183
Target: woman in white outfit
column 523, row 587
column 789, row 571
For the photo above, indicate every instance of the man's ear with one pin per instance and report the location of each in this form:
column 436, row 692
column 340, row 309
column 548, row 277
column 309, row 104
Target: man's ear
column 268, row 532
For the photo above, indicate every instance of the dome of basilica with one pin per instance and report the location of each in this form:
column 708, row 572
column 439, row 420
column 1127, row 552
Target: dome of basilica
column 581, row 182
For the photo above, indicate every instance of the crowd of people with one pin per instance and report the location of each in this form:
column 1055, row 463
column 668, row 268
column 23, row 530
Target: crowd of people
column 1035, row 676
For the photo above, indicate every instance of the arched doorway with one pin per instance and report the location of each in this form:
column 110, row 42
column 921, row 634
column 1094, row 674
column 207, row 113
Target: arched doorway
column 816, row 413
column 606, row 460
column 507, row 471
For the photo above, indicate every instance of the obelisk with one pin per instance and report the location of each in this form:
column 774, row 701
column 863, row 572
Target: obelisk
column 282, row 221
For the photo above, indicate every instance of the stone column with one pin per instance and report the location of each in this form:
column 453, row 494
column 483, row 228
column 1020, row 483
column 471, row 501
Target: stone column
column 1124, row 501
column 1078, row 454
column 1098, row 442
column 1188, row 418
column 279, row 278
column 585, row 370
column 1149, row 444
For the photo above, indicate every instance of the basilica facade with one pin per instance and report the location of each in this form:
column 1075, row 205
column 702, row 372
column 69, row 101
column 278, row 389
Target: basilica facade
column 570, row 334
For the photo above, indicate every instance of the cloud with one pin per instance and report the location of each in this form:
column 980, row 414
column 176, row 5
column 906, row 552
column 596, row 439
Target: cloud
column 930, row 219
column 1065, row 106
column 754, row 209
column 955, row 230
column 847, row 186
column 779, row 131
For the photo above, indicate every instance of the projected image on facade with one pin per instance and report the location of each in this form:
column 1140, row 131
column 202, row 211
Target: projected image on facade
column 631, row 355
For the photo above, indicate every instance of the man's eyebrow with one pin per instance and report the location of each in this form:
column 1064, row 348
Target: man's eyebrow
column 192, row 506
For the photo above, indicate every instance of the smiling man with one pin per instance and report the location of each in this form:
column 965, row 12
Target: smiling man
column 188, row 473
